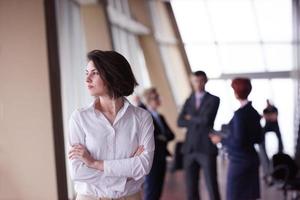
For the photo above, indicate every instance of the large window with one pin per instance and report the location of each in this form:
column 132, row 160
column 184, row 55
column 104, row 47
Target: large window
column 233, row 36
column 251, row 38
column 125, row 31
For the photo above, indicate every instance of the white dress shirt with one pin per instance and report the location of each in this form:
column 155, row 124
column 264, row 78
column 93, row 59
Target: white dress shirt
column 115, row 144
column 199, row 96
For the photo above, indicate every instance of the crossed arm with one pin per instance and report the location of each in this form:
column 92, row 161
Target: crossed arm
column 185, row 118
column 85, row 168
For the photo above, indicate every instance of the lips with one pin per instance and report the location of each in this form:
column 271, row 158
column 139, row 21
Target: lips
column 90, row 86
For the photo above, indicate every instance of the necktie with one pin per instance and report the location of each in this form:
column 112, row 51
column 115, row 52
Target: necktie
column 198, row 101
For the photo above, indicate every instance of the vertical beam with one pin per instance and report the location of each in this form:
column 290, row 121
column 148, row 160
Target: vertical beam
column 296, row 35
column 96, row 26
column 56, row 104
column 178, row 37
column 140, row 12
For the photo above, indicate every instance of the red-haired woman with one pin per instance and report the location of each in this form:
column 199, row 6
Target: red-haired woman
column 244, row 131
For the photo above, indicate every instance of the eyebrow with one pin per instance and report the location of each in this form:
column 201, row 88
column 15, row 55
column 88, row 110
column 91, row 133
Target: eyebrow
column 91, row 70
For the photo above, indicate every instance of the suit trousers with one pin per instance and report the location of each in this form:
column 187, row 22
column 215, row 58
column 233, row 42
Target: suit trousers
column 154, row 181
column 193, row 162
column 136, row 196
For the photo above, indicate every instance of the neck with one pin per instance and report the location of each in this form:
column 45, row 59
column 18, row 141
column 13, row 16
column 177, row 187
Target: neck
column 107, row 104
column 243, row 102
column 152, row 108
column 200, row 91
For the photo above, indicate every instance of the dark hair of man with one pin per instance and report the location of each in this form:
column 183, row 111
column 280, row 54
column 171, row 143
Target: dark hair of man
column 200, row 73
column 115, row 72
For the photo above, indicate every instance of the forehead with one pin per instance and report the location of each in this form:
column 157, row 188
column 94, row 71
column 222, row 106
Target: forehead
column 90, row 66
column 198, row 78
column 153, row 94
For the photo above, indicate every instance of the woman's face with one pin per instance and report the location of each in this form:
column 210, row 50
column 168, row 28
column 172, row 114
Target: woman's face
column 94, row 82
column 154, row 101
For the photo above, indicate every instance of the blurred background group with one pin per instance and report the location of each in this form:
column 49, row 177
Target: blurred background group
column 43, row 46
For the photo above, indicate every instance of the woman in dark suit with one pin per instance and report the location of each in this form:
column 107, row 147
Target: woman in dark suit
column 244, row 130
column 154, row 181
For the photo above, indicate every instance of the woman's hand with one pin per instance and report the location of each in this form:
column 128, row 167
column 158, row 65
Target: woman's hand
column 138, row 151
column 215, row 138
column 79, row 151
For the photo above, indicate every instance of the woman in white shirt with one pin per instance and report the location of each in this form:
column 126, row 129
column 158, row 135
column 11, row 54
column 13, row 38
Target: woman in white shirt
column 111, row 141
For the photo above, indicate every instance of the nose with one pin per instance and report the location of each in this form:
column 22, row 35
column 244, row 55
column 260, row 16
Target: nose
column 88, row 78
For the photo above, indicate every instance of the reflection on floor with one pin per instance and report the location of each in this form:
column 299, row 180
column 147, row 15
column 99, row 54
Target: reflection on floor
column 174, row 188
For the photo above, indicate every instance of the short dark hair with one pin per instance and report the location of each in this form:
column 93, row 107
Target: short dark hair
column 242, row 87
column 115, row 71
column 200, row 73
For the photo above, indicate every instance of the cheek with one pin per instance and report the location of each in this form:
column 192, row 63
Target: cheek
column 98, row 82
column 101, row 86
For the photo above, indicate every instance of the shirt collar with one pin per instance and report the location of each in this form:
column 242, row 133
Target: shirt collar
column 199, row 95
column 120, row 113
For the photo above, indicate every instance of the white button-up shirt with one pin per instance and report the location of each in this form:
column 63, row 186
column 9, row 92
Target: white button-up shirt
column 115, row 144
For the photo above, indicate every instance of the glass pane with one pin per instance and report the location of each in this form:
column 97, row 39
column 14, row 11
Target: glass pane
column 192, row 20
column 228, row 104
column 262, row 89
column 241, row 58
column 233, row 20
column 274, row 19
column 279, row 91
column 279, row 57
column 174, row 72
column 204, row 58
column 284, row 100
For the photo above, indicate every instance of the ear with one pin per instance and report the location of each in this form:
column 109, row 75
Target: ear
column 191, row 78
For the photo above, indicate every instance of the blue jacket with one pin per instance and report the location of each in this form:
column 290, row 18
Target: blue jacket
column 244, row 131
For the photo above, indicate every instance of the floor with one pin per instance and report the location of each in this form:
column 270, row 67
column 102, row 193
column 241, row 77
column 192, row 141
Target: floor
column 174, row 188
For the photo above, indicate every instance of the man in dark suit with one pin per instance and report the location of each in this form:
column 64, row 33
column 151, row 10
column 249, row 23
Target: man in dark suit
column 198, row 115
column 162, row 134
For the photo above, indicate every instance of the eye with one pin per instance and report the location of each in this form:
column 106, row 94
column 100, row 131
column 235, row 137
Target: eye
column 95, row 73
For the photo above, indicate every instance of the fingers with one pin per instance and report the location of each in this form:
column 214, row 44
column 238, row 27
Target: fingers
column 77, row 151
column 78, row 146
column 135, row 151
column 74, row 154
column 138, row 151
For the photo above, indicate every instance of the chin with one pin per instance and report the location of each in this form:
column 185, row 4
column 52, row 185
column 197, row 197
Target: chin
column 94, row 94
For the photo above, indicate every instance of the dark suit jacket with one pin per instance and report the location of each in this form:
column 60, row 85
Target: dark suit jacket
column 200, row 124
column 244, row 131
column 161, row 150
column 243, row 172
